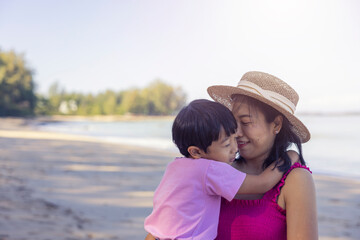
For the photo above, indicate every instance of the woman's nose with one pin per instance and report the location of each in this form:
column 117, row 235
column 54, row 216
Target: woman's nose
column 239, row 131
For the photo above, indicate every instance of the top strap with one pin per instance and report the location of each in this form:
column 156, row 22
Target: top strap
column 282, row 181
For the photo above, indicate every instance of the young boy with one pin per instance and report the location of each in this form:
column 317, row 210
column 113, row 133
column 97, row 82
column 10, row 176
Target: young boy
column 187, row 200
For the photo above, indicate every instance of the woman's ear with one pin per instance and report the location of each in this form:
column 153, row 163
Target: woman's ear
column 278, row 124
column 194, row 152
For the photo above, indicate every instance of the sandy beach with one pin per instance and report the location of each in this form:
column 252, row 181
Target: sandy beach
column 58, row 186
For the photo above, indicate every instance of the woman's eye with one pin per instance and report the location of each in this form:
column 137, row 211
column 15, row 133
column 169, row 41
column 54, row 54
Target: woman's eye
column 245, row 123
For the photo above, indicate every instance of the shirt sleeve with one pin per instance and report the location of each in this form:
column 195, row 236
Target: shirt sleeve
column 223, row 180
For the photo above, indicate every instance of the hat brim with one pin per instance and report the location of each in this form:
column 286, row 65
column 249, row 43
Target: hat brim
column 223, row 94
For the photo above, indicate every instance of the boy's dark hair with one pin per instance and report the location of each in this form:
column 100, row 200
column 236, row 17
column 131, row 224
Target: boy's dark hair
column 199, row 124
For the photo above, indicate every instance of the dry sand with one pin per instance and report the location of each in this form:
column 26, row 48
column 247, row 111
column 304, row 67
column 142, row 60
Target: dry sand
column 57, row 186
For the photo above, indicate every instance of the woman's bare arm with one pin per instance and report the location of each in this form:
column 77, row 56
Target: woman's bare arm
column 300, row 204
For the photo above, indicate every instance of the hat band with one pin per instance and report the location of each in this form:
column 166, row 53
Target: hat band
column 278, row 99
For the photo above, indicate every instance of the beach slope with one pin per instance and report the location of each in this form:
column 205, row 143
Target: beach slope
column 57, row 186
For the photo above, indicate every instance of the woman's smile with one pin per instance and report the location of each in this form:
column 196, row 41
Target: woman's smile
column 242, row 144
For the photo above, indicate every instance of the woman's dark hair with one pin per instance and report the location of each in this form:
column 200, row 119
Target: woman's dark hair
column 199, row 124
column 283, row 139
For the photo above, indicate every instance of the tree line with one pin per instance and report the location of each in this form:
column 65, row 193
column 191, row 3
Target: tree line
column 18, row 97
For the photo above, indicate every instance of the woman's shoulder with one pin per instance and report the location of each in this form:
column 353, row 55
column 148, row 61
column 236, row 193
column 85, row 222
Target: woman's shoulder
column 298, row 175
column 297, row 180
column 297, row 172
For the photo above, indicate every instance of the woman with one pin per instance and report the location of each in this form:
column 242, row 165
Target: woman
column 264, row 107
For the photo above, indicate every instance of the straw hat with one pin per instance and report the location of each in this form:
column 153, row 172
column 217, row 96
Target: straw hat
column 267, row 89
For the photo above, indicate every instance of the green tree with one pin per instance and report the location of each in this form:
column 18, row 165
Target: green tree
column 109, row 102
column 158, row 98
column 133, row 102
column 17, row 97
column 85, row 103
column 43, row 106
column 56, row 96
column 163, row 99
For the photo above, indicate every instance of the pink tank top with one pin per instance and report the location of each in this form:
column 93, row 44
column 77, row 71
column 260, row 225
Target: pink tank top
column 254, row 219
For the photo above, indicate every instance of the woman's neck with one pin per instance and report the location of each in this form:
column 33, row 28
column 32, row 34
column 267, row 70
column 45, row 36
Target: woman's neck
column 254, row 166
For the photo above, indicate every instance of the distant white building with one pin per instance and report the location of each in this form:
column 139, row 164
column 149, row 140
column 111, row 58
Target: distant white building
column 67, row 107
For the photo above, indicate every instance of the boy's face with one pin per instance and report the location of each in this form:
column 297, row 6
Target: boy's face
column 222, row 150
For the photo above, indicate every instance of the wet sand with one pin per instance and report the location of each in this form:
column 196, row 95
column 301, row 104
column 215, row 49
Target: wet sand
column 58, row 186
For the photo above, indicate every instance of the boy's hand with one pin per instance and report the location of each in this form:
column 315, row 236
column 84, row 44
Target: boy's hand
column 149, row 237
column 294, row 157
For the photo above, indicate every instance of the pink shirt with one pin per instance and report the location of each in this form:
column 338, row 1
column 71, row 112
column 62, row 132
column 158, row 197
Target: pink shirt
column 187, row 200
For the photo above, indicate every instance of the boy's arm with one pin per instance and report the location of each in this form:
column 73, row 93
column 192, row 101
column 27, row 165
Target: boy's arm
column 262, row 183
column 254, row 184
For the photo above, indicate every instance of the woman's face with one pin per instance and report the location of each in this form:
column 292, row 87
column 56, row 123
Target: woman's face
column 256, row 136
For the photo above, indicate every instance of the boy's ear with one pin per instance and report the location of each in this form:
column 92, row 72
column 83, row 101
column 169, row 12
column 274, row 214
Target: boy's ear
column 194, row 152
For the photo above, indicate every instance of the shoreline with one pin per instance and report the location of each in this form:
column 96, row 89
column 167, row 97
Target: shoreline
column 75, row 118
column 68, row 187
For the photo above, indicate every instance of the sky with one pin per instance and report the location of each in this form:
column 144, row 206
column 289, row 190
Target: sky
column 91, row 46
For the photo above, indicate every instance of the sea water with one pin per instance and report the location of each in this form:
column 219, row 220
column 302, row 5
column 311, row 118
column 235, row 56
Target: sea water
column 147, row 133
column 334, row 148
